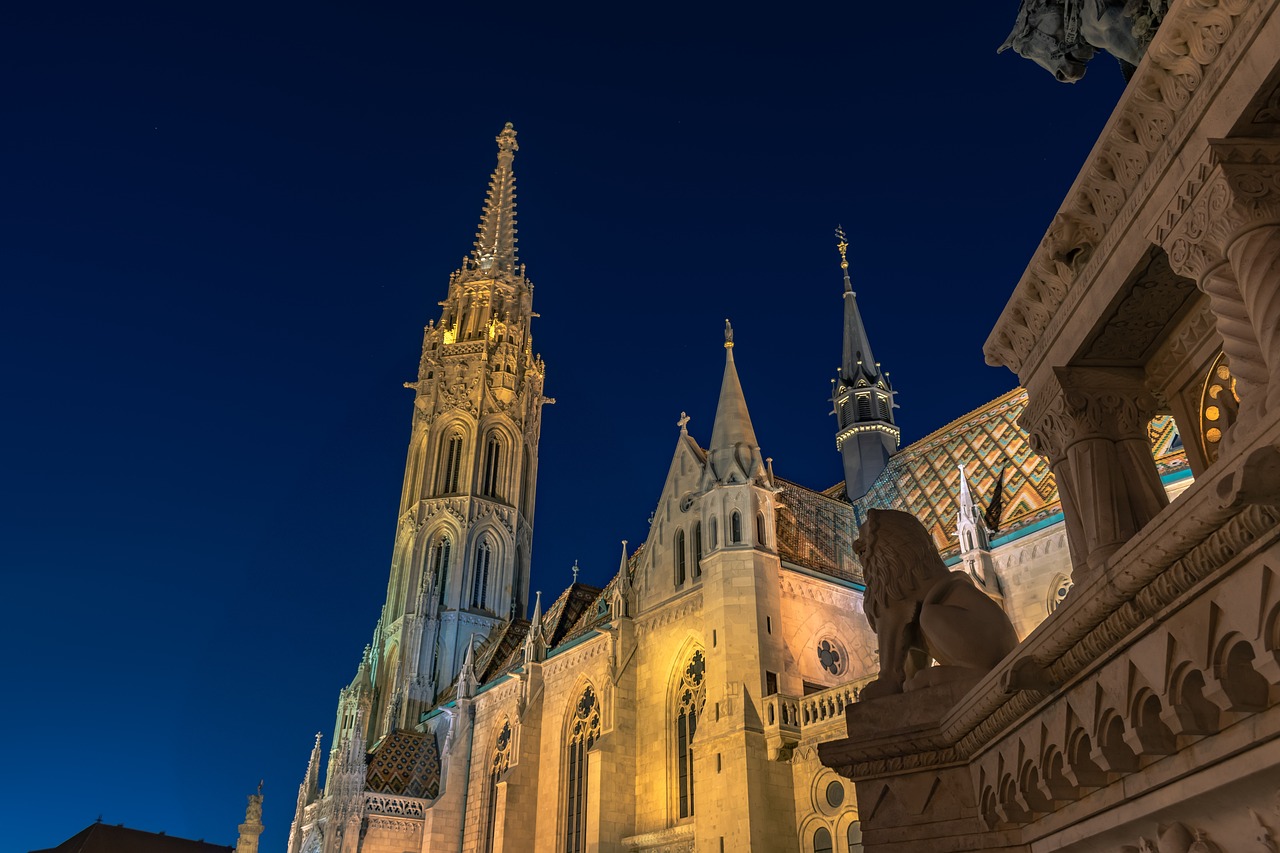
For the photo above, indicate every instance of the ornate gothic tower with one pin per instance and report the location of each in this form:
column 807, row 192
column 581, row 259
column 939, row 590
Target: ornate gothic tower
column 460, row 566
column 862, row 398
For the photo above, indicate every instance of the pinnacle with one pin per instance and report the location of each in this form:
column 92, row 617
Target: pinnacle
column 495, row 246
column 733, row 438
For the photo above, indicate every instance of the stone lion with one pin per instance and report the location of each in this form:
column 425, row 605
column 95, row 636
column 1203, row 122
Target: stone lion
column 920, row 611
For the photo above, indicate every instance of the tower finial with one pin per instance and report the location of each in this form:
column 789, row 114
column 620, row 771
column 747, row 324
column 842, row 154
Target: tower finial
column 842, row 246
column 495, row 246
column 575, row 571
column 683, row 422
column 728, row 334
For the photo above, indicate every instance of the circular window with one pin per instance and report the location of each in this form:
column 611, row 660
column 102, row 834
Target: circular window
column 1059, row 591
column 832, row 657
column 835, row 795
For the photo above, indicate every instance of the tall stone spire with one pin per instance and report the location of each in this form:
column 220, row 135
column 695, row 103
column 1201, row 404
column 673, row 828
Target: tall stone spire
column 861, row 397
column 734, row 452
column 495, row 248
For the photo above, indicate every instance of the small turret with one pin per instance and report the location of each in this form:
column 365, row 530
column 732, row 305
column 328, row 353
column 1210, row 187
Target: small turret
column 467, row 685
column 975, row 542
column 535, row 644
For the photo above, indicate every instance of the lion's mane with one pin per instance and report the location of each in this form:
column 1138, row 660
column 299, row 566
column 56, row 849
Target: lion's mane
column 897, row 553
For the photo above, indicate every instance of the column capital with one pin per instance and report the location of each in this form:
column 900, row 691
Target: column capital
column 1078, row 403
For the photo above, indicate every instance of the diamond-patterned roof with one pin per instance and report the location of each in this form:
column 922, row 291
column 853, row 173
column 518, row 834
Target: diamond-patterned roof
column 923, row 479
column 405, row 764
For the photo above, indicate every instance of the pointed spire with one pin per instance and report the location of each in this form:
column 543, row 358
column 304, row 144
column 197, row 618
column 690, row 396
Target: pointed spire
column 535, row 644
column 971, row 529
column 310, row 789
column 495, row 248
column 467, row 675
column 857, row 359
column 734, row 449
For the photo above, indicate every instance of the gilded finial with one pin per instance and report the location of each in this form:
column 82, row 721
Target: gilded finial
column 842, row 245
column 728, row 335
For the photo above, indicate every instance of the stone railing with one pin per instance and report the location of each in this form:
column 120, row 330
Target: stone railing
column 794, row 714
column 782, row 712
column 386, row 804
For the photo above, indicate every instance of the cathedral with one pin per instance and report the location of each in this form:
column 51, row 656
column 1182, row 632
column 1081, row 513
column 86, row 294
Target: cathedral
column 681, row 706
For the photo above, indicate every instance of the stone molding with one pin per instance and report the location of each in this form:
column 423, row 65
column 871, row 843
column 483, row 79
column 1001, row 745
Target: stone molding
column 1196, row 45
column 398, row 826
column 675, row 839
column 671, row 611
column 403, row 807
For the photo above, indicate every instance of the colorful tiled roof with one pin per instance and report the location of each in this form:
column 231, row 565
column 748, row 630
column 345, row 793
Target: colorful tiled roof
column 816, row 530
column 923, row 479
column 405, row 764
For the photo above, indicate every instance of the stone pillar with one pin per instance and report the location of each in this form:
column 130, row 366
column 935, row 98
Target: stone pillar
column 1224, row 232
column 1091, row 424
column 252, row 827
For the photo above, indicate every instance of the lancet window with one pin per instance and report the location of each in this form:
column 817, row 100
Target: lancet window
column 584, row 730
column 715, row 538
column 697, row 550
column 452, row 464
column 492, row 461
column 691, row 696
column 761, row 539
column 680, row 565
column 497, row 766
column 480, row 577
column 440, row 565
column 735, row 528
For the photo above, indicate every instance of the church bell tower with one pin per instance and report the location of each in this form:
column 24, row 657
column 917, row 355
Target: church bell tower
column 460, row 565
column 862, row 398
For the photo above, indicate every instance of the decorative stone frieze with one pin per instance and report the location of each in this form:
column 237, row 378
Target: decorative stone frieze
column 1091, row 424
column 1197, row 43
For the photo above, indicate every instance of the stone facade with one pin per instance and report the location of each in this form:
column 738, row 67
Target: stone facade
column 1142, row 714
column 681, row 706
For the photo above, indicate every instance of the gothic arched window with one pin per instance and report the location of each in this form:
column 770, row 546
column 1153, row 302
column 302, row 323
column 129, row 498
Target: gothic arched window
column 440, row 565
column 715, row 540
column 691, row 695
column 697, row 550
column 497, row 766
column 679, row 557
column 735, row 528
column 584, row 729
column 451, row 459
column 480, row 577
column 492, row 460
column 761, row 539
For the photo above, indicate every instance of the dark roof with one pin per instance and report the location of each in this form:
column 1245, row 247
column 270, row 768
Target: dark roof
column 816, row 530
column 105, row 838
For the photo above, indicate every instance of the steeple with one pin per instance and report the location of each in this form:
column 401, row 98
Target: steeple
column 734, row 452
column 861, row 397
column 535, row 644
column 858, row 360
column 495, row 248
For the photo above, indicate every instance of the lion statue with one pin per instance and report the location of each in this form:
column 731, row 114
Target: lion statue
column 920, row 611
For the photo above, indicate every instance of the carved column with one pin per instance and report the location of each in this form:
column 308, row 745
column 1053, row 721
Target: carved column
column 1091, row 424
column 1224, row 232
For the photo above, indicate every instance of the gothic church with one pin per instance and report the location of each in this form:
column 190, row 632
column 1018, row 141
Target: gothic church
column 678, row 708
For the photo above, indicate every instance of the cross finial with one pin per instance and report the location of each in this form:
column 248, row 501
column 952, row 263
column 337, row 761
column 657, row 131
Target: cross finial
column 683, row 422
column 842, row 245
column 728, row 334
column 575, row 571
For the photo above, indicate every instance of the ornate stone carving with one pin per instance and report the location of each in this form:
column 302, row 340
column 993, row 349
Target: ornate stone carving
column 1153, row 119
column 921, row 611
column 1156, row 295
column 1091, row 423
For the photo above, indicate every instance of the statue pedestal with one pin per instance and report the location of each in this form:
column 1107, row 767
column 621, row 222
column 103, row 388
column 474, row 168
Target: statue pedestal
column 913, row 792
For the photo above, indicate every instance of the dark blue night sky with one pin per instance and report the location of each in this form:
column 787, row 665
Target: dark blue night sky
column 222, row 228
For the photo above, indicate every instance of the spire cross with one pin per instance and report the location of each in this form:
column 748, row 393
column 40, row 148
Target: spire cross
column 575, row 571
column 683, row 421
column 728, row 334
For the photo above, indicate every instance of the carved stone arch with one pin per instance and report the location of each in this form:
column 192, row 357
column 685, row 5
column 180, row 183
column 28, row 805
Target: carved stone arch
column 686, row 699
column 1081, row 769
column 1234, row 683
column 444, row 525
column 504, row 429
column 487, row 532
column 1009, row 805
column 810, row 826
column 1187, row 711
column 1031, row 790
column 445, row 427
column 580, row 729
column 1112, row 751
